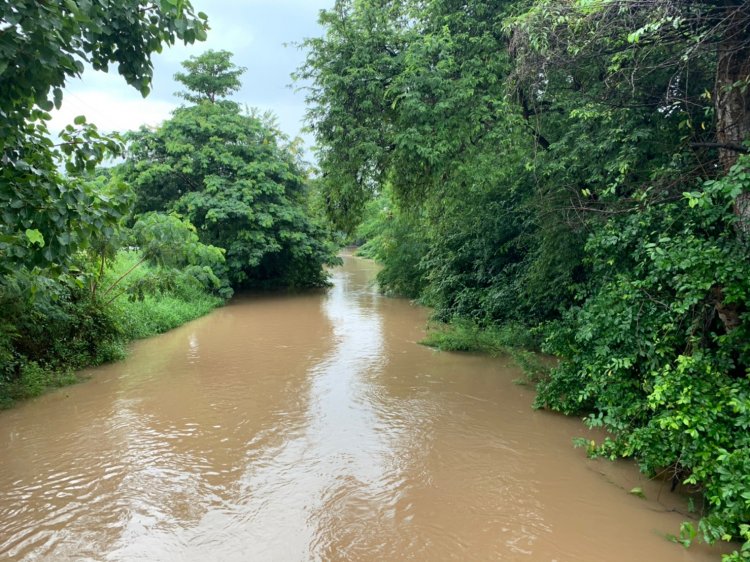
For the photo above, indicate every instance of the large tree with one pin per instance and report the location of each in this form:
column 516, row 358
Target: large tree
column 232, row 176
column 413, row 96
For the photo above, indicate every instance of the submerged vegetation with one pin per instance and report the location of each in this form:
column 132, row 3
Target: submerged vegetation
column 494, row 339
column 213, row 200
column 577, row 170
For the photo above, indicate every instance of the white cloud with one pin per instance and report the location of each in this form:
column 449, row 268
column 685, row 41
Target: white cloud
column 254, row 30
column 111, row 110
column 221, row 37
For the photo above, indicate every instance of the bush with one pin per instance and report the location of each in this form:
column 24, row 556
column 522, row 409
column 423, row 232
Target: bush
column 169, row 304
column 657, row 352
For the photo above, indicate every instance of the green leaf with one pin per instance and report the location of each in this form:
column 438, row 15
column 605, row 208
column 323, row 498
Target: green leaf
column 35, row 237
column 637, row 491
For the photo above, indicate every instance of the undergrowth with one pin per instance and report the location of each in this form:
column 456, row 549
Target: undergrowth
column 511, row 339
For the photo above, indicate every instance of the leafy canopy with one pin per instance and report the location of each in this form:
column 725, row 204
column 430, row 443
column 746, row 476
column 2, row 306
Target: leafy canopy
column 210, row 76
column 575, row 166
column 60, row 229
column 233, row 177
column 47, row 218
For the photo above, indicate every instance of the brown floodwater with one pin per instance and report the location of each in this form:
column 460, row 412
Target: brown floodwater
column 314, row 427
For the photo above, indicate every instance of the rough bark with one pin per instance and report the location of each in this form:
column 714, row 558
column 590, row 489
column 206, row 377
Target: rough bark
column 732, row 99
column 732, row 105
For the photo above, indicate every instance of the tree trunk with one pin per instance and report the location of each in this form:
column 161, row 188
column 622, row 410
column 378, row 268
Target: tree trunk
column 732, row 99
column 732, row 105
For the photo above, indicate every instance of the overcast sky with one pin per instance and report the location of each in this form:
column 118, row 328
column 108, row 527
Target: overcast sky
column 254, row 30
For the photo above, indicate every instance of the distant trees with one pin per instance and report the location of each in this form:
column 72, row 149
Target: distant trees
column 228, row 172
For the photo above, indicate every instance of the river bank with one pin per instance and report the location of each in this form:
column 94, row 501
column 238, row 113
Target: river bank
column 76, row 335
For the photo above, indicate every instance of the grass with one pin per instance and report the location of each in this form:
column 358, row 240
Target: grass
column 159, row 311
column 35, row 379
column 510, row 339
column 464, row 335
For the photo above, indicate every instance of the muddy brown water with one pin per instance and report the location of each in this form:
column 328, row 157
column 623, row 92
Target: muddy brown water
column 314, row 427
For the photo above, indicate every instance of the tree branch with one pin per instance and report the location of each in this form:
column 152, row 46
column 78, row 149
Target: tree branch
column 123, row 276
column 724, row 145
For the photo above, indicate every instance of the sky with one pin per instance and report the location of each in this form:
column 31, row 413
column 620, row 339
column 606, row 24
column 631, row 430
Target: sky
column 254, row 30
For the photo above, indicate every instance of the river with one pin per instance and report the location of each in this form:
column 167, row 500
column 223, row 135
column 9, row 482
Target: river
column 314, row 427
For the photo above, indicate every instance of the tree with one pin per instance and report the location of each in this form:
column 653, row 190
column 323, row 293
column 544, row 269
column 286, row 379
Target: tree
column 54, row 223
column 210, row 76
column 655, row 349
column 412, row 95
column 230, row 175
column 686, row 59
column 578, row 166
column 399, row 92
column 171, row 245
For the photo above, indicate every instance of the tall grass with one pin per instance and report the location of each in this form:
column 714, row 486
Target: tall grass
column 511, row 339
column 465, row 335
column 157, row 312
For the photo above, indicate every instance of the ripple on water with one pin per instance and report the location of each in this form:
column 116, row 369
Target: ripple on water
column 309, row 427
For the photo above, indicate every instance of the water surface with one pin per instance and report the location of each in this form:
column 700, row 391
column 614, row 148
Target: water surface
column 314, row 427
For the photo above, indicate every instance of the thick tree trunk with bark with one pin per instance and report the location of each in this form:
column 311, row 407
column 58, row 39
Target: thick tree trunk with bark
column 732, row 98
column 732, row 105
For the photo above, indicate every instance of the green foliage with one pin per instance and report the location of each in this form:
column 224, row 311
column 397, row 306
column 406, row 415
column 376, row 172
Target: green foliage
column 392, row 109
column 649, row 354
column 393, row 237
column 209, row 76
column 47, row 329
column 43, row 45
column 399, row 90
column 60, row 231
column 172, row 243
column 43, row 340
column 33, row 381
column 177, row 299
column 573, row 167
column 464, row 335
column 230, row 175
column 46, row 43
column 512, row 339
column 47, row 219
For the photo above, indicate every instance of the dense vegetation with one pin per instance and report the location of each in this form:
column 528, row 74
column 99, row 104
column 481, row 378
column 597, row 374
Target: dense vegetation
column 228, row 173
column 93, row 257
column 576, row 167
